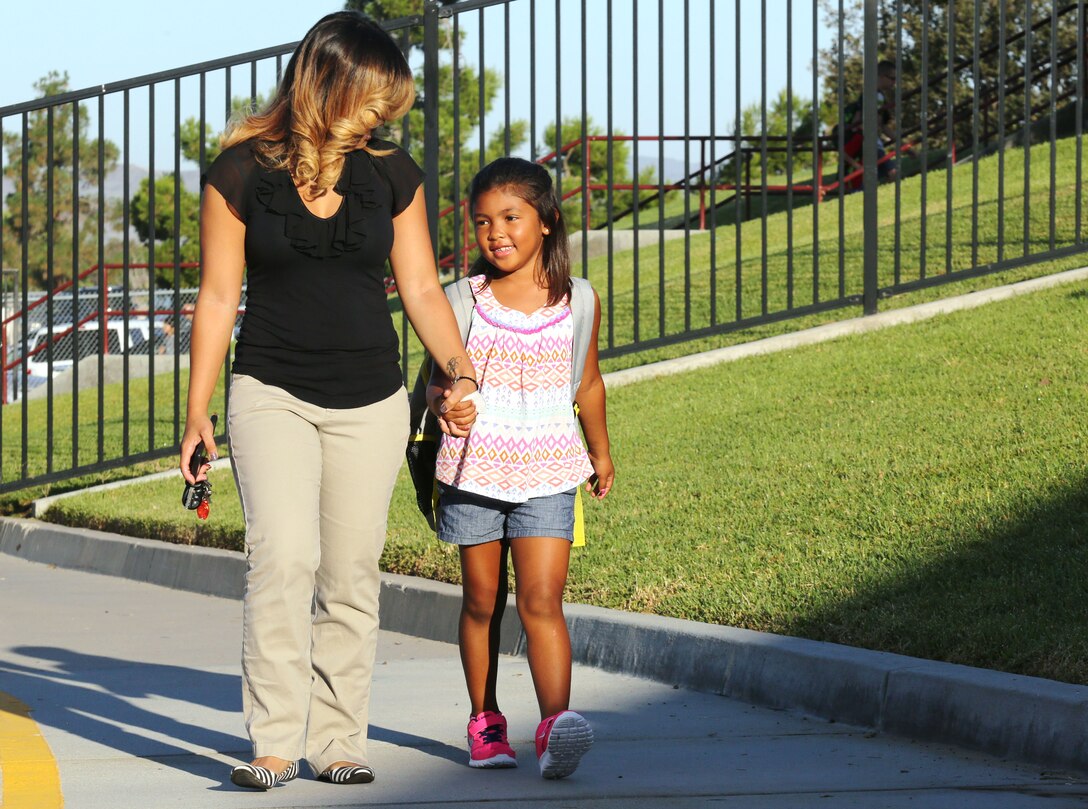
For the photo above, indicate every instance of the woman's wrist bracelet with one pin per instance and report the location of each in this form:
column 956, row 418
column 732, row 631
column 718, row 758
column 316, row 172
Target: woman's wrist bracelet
column 457, row 379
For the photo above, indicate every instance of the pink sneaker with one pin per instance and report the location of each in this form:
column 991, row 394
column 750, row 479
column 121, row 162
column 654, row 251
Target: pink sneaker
column 561, row 741
column 487, row 744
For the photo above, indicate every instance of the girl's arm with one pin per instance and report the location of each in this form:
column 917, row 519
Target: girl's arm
column 425, row 303
column 222, row 239
column 591, row 415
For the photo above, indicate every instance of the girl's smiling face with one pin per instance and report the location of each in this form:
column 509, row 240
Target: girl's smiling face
column 508, row 230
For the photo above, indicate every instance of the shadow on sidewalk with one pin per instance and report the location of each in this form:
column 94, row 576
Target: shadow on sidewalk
column 432, row 747
column 92, row 697
column 95, row 698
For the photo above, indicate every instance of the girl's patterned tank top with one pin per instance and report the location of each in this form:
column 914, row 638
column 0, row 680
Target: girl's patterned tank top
column 525, row 442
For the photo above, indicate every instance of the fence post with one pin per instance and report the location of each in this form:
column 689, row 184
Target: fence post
column 431, row 9
column 868, row 160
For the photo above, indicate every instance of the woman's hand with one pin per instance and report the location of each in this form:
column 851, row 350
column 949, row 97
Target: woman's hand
column 197, row 431
column 455, row 407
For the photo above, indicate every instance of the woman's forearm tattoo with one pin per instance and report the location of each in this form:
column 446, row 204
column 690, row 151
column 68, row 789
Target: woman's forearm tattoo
column 451, row 366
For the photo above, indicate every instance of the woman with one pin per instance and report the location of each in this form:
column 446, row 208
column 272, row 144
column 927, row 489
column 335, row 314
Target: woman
column 309, row 205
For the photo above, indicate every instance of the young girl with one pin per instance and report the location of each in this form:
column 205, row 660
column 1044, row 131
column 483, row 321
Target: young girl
column 510, row 486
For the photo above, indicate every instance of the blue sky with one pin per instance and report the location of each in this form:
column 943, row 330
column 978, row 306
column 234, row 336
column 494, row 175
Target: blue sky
column 136, row 38
column 98, row 43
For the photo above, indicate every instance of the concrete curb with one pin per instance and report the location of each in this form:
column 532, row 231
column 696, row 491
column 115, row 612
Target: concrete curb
column 199, row 570
column 1023, row 718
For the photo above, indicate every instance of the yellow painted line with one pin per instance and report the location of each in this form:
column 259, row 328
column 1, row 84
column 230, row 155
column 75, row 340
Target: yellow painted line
column 27, row 766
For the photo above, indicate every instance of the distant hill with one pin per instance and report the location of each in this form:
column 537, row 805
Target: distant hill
column 114, row 187
column 115, row 181
column 671, row 168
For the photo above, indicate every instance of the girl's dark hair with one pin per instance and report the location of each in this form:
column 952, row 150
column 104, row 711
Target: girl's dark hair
column 532, row 183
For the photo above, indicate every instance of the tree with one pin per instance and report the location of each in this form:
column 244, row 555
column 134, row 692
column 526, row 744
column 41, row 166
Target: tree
column 570, row 167
column 785, row 116
column 926, row 23
column 410, row 38
column 385, row 10
column 467, row 115
column 54, row 169
column 185, row 238
column 457, row 161
column 168, row 188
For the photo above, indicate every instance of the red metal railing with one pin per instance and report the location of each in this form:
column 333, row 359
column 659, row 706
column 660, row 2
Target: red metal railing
column 693, row 182
column 103, row 313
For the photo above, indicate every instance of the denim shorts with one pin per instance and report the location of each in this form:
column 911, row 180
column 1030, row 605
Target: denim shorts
column 465, row 518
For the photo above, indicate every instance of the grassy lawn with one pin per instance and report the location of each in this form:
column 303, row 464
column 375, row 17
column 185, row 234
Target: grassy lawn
column 920, row 490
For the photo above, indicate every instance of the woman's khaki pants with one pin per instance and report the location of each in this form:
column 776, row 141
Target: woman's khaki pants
column 315, row 485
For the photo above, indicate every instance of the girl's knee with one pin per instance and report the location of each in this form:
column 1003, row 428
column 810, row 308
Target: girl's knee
column 479, row 604
column 540, row 604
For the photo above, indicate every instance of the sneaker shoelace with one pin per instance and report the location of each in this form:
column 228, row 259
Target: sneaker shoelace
column 491, row 734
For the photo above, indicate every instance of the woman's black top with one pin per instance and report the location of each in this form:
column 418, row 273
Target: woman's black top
column 317, row 323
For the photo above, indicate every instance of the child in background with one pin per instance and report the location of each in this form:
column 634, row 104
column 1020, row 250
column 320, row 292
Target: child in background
column 509, row 487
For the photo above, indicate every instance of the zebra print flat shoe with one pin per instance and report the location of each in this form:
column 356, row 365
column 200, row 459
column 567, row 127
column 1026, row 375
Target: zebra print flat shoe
column 251, row 776
column 355, row 774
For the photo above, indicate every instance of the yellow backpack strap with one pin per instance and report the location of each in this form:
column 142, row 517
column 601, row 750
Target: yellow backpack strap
column 579, row 520
column 579, row 511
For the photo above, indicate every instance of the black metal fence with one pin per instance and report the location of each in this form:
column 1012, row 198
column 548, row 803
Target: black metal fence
column 717, row 166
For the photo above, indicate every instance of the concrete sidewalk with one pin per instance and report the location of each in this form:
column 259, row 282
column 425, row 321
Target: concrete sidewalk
column 135, row 687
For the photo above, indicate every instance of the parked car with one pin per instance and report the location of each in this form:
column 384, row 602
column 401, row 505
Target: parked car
column 64, row 345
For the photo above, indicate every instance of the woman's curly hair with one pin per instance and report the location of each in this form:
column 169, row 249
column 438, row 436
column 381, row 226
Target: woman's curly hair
column 346, row 78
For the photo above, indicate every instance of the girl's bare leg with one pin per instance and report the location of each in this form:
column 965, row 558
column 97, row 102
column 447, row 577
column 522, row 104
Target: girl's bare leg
column 484, row 589
column 540, row 571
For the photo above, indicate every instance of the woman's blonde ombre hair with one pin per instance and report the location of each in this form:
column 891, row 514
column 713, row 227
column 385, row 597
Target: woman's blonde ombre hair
column 346, row 78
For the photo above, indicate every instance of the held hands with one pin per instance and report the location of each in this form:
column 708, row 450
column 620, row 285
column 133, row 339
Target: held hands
column 197, row 431
column 604, row 473
column 455, row 406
